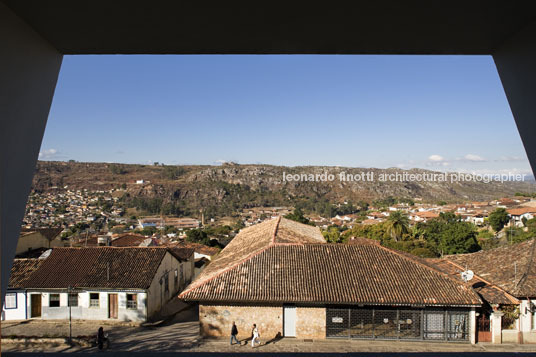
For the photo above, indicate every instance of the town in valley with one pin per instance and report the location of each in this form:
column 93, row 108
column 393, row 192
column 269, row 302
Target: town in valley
column 189, row 246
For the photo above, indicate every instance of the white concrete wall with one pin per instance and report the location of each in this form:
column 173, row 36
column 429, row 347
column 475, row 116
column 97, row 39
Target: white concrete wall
column 472, row 325
column 20, row 312
column 85, row 312
column 156, row 294
column 527, row 321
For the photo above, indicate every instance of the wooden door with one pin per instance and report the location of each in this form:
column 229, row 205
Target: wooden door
column 35, row 305
column 483, row 328
column 112, row 306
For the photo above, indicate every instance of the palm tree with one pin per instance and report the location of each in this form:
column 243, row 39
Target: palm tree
column 397, row 224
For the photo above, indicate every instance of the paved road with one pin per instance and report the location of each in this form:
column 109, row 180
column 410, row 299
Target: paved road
column 180, row 335
column 180, row 332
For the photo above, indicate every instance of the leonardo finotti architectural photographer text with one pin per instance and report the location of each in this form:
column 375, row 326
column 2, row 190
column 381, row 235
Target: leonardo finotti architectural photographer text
column 369, row 176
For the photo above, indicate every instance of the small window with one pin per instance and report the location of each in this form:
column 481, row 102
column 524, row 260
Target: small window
column 166, row 282
column 176, row 279
column 132, row 301
column 94, row 300
column 54, row 300
column 11, row 301
column 73, row 300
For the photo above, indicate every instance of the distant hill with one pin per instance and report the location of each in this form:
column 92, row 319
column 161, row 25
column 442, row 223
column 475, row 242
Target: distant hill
column 223, row 189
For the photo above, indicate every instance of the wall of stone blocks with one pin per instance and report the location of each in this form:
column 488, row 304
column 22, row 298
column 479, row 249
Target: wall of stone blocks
column 216, row 321
column 311, row 322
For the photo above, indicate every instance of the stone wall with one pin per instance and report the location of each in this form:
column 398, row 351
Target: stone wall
column 216, row 321
column 311, row 322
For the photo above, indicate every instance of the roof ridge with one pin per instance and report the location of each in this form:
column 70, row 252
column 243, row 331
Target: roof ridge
column 495, row 286
column 420, row 263
column 276, row 227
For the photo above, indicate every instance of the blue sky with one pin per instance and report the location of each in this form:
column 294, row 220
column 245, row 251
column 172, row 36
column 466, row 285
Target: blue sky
column 444, row 113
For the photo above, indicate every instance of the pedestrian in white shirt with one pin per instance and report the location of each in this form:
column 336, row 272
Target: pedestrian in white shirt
column 256, row 336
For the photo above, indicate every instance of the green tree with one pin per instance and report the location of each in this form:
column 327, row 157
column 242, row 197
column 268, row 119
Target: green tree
column 298, row 216
column 197, row 236
column 397, row 224
column 332, row 235
column 448, row 234
column 498, row 219
column 423, row 252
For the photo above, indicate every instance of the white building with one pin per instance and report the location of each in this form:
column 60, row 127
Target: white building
column 100, row 283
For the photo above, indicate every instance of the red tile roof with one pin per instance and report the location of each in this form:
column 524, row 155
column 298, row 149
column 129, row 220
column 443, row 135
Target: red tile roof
column 512, row 267
column 259, row 266
column 521, row 210
column 489, row 292
column 182, row 254
column 21, row 272
column 197, row 247
column 427, row 214
column 128, row 240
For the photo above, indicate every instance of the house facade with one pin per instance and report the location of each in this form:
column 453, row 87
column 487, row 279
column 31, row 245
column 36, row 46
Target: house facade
column 97, row 283
column 284, row 277
column 517, row 215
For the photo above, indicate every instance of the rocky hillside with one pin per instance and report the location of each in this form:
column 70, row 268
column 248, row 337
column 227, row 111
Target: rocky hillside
column 184, row 189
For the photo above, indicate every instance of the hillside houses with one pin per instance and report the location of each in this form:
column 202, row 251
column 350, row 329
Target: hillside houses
column 67, row 207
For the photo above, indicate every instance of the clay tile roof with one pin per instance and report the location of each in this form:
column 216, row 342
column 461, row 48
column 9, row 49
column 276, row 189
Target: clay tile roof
column 427, row 214
column 489, row 292
column 182, row 254
column 21, row 272
column 512, row 267
column 88, row 268
column 48, row 233
column 257, row 267
column 197, row 247
column 521, row 210
column 367, row 222
column 128, row 240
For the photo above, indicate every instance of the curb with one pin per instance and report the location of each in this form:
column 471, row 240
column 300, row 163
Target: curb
column 82, row 342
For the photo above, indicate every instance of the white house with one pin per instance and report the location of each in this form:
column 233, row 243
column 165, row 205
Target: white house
column 517, row 215
column 97, row 283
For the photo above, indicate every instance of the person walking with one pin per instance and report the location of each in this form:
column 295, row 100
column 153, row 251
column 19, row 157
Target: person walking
column 234, row 332
column 101, row 338
column 256, row 336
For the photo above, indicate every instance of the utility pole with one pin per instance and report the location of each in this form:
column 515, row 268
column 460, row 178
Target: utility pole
column 70, row 315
